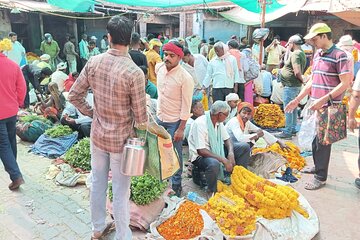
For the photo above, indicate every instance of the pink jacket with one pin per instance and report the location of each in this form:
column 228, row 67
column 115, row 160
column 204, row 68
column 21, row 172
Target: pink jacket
column 12, row 88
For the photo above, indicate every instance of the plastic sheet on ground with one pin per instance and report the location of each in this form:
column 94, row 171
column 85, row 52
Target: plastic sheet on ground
column 263, row 164
column 53, row 147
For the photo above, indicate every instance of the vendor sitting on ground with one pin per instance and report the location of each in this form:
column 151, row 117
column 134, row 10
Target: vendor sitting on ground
column 72, row 117
column 196, row 110
column 54, row 105
column 241, row 129
column 232, row 100
column 206, row 145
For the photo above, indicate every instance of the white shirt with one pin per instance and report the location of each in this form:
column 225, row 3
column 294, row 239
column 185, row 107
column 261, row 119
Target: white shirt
column 199, row 136
column 59, row 78
column 216, row 74
column 17, row 52
column 71, row 110
column 277, row 92
column 200, row 65
column 233, row 126
column 232, row 114
column 356, row 85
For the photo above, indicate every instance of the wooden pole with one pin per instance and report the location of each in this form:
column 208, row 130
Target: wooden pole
column 263, row 12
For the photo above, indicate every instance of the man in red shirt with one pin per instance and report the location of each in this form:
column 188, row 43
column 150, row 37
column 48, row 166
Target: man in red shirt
column 12, row 95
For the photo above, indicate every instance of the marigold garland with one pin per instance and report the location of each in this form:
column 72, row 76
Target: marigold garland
column 295, row 160
column 271, row 201
column 5, row 44
column 187, row 223
column 269, row 116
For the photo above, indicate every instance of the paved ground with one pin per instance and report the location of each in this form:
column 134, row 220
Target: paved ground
column 43, row 210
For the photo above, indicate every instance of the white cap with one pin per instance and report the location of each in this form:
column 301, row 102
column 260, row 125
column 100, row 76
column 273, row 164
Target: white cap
column 93, row 38
column 345, row 40
column 232, row 97
column 45, row 57
column 61, row 66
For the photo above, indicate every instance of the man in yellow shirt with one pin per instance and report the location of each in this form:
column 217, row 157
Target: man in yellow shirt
column 275, row 52
column 153, row 57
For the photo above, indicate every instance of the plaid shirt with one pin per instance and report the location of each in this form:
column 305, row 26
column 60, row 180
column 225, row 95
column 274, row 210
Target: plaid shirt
column 118, row 86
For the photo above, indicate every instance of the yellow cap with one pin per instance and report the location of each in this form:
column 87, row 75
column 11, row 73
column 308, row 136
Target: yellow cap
column 316, row 29
column 154, row 42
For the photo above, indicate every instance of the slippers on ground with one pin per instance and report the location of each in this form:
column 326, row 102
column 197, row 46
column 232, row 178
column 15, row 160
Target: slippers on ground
column 108, row 229
column 308, row 170
column 314, row 184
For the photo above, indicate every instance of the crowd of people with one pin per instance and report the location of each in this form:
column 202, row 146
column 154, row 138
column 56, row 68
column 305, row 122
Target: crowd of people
column 127, row 73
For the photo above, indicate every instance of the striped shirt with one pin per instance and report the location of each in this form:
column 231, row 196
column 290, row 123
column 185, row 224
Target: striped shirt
column 118, row 87
column 327, row 67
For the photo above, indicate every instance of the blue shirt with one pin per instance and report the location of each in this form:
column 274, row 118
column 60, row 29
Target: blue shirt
column 267, row 81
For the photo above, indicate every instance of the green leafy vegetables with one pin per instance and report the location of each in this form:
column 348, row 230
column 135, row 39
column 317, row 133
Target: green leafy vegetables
column 30, row 118
column 59, row 131
column 144, row 189
column 79, row 155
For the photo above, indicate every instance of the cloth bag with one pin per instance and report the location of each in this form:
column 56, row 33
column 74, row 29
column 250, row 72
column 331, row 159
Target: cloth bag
column 162, row 161
column 331, row 123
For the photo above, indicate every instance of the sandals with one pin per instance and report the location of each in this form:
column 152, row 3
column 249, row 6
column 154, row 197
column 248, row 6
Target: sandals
column 108, row 229
column 314, row 184
column 308, row 170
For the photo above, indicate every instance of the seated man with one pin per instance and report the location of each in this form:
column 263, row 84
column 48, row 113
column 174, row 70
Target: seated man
column 232, row 100
column 72, row 117
column 241, row 129
column 206, row 145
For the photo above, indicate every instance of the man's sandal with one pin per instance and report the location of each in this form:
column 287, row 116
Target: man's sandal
column 308, row 170
column 314, row 184
column 108, row 229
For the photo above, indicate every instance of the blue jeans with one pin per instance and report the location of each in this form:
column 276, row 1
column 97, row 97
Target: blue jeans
column 290, row 94
column 171, row 129
column 8, row 148
column 101, row 162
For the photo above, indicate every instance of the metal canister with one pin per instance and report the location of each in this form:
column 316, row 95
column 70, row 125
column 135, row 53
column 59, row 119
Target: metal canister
column 134, row 157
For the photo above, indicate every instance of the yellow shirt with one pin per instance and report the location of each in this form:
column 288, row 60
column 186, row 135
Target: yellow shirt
column 274, row 54
column 152, row 58
column 211, row 54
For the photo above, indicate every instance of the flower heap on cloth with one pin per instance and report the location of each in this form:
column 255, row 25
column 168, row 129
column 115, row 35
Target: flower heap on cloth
column 271, row 201
column 269, row 116
column 232, row 213
column 295, row 160
column 187, row 223
column 5, row 45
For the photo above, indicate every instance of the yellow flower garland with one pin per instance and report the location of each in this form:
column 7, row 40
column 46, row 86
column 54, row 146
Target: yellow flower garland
column 269, row 116
column 5, row 44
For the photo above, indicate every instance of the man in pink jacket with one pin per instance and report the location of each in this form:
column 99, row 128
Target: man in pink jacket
column 12, row 95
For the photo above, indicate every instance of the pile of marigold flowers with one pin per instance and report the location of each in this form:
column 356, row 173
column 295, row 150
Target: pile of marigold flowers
column 5, row 45
column 269, row 116
column 30, row 57
column 232, row 213
column 270, row 200
column 295, row 160
column 187, row 223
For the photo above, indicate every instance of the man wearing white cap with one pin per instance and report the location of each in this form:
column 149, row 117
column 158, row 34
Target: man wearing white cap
column 59, row 76
column 232, row 100
column 292, row 80
column 347, row 45
column 44, row 62
column 331, row 77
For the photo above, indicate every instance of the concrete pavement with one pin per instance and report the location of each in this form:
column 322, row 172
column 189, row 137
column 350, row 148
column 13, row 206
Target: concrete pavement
column 43, row 210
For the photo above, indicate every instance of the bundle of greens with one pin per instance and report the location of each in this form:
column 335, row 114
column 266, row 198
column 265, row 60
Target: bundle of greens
column 30, row 118
column 145, row 189
column 58, row 131
column 79, row 155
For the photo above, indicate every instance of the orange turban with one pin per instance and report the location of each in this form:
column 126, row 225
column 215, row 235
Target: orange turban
column 240, row 106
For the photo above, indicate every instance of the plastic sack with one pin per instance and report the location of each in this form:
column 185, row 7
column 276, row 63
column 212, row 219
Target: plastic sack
column 263, row 164
column 30, row 132
column 210, row 231
column 308, row 128
column 260, row 33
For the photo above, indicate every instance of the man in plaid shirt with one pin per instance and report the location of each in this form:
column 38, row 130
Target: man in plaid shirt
column 118, row 86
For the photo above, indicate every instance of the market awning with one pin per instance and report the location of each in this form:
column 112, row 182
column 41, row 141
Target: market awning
column 30, row 6
column 251, row 16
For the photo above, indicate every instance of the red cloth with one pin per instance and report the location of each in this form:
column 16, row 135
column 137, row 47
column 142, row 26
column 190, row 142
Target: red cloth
column 12, row 88
column 68, row 83
column 173, row 48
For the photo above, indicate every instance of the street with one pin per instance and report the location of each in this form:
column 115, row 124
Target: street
column 43, row 210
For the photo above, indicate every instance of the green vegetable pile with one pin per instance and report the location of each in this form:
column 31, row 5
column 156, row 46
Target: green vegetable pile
column 30, row 118
column 145, row 189
column 59, row 131
column 79, row 155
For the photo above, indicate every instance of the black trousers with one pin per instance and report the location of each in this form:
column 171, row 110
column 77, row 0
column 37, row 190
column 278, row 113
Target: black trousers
column 83, row 129
column 241, row 91
column 221, row 93
column 321, row 156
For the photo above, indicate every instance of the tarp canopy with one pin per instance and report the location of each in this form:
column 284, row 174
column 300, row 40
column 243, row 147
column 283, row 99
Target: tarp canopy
column 244, row 16
column 86, row 5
